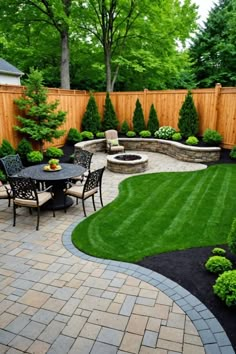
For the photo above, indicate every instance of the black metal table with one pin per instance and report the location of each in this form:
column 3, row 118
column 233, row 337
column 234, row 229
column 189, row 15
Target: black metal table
column 55, row 178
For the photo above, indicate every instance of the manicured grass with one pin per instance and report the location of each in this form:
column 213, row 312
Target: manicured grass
column 161, row 212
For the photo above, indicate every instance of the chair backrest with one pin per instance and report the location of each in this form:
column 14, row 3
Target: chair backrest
column 94, row 179
column 23, row 188
column 111, row 134
column 12, row 164
column 83, row 158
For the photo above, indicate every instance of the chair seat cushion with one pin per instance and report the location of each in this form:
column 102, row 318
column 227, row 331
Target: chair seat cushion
column 117, row 148
column 3, row 192
column 77, row 191
column 42, row 197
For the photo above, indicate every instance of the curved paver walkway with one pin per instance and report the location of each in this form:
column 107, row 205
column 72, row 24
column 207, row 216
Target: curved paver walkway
column 55, row 299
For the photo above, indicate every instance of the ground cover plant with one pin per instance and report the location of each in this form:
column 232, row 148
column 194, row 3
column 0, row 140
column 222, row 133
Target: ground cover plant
column 183, row 211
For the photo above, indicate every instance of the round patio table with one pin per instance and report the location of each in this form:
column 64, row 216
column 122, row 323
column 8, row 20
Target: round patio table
column 56, row 179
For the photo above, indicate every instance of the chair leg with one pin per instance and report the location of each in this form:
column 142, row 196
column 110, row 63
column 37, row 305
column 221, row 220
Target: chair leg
column 38, row 212
column 14, row 214
column 100, row 193
column 84, row 207
column 9, row 202
column 94, row 207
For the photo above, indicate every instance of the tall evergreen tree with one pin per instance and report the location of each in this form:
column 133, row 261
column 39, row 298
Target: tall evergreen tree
column 138, row 118
column 110, row 120
column 188, row 118
column 91, row 120
column 153, row 122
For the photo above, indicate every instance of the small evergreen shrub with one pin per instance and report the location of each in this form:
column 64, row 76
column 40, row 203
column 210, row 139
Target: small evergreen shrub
column 110, row 120
column 23, row 148
column 153, row 122
column 138, row 118
column 91, row 120
column 218, row 264
column 6, row 148
column 225, row 287
column 145, row 134
column 164, row 132
column 35, row 156
column 232, row 237
column 74, row 136
column 217, row 251
column 3, row 177
column 188, row 118
column 192, row 140
column 130, row 134
column 232, row 153
column 212, row 137
column 124, row 127
column 176, row 137
column 86, row 135
column 54, row 152
column 100, row 135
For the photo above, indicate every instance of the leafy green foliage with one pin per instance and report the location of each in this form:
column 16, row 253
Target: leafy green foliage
column 3, row 177
column 41, row 120
column 218, row 264
column 192, row 140
column 232, row 153
column 153, row 122
column 23, row 148
column 86, row 135
column 130, row 134
column 218, row 251
column 176, row 137
column 138, row 118
column 100, row 135
column 124, row 127
column 225, row 287
column 6, row 148
column 166, row 132
column 232, row 237
column 54, row 152
column 91, row 120
column 74, row 136
column 110, row 120
column 212, row 137
column 145, row 134
column 188, row 118
column 35, row 156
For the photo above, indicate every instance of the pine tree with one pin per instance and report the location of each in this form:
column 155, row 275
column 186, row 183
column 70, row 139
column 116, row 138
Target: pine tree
column 91, row 120
column 110, row 120
column 188, row 118
column 41, row 120
column 138, row 118
column 153, row 122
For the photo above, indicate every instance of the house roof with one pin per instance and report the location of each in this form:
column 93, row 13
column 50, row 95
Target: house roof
column 7, row 68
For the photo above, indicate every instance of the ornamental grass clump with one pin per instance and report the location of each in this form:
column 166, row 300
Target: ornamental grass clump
column 225, row 287
column 218, row 264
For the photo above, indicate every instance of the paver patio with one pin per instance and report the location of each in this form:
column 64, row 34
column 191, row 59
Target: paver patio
column 54, row 299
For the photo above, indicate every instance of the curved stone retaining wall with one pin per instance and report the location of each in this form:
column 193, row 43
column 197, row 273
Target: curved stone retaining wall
column 171, row 148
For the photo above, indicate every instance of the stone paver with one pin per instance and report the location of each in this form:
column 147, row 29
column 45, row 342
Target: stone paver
column 55, row 299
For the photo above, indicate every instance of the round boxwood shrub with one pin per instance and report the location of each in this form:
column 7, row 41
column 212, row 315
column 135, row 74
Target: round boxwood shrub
column 100, row 135
column 86, row 135
column 192, row 140
column 54, row 152
column 165, row 132
column 74, row 136
column 218, row 264
column 35, row 157
column 23, row 148
column 217, row 251
column 225, row 287
column 232, row 237
column 130, row 134
column 176, row 136
column 145, row 134
column 212, row 137
column 232, row 153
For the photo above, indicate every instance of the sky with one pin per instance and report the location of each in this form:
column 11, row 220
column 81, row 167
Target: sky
column 204, row 7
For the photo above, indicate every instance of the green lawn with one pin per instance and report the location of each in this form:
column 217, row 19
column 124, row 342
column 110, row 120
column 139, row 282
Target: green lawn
column 161, row 212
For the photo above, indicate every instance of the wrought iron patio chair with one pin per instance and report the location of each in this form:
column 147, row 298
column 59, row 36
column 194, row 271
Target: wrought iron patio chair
column 83, row 158
column 112, row 142
column 92, row 185
column 25, row 194
column 12, row 164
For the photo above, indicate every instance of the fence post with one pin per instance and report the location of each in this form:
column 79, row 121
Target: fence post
column 145, row 104
column 216, row 106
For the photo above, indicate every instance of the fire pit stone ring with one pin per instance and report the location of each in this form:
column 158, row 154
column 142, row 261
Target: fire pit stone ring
column 127, row 163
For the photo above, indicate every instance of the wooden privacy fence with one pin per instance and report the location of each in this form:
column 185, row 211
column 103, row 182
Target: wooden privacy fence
column 216, row 109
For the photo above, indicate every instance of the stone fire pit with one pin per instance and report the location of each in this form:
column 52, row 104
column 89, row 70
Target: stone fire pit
column 127, row 163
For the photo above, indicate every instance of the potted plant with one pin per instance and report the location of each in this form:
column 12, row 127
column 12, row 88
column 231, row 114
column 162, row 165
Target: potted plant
column 53, row 163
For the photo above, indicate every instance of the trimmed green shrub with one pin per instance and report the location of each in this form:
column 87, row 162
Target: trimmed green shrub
column 217, row 251
column 87, row 135
column 6, row 148
column 145, row 134
column 100, row 135
column 153, row 122
column 212, row 137
column 225, row 287
column 110, row 120
column 91, row 120
column 188, row 118
column 218, row 264
column 23, row 148
column 232, row 153
column 232, row 237
column 74, row 136
column 130, row 134
column 35, row 156
column 138, row 118
column 192, row 140
column 3, row 177
column 54, row 152
column 164, row 132
column 124, row 127
column 176, row 137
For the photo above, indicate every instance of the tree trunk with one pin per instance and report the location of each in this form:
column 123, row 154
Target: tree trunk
column 109, row 86
column 65, row 60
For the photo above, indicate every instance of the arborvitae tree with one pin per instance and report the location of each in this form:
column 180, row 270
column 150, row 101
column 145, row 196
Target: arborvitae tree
column 188, row 118
column 124, row 127
column 138, row 118
column 153, row 122
column 110, row 120
column 91, row 120
column 41, row 120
